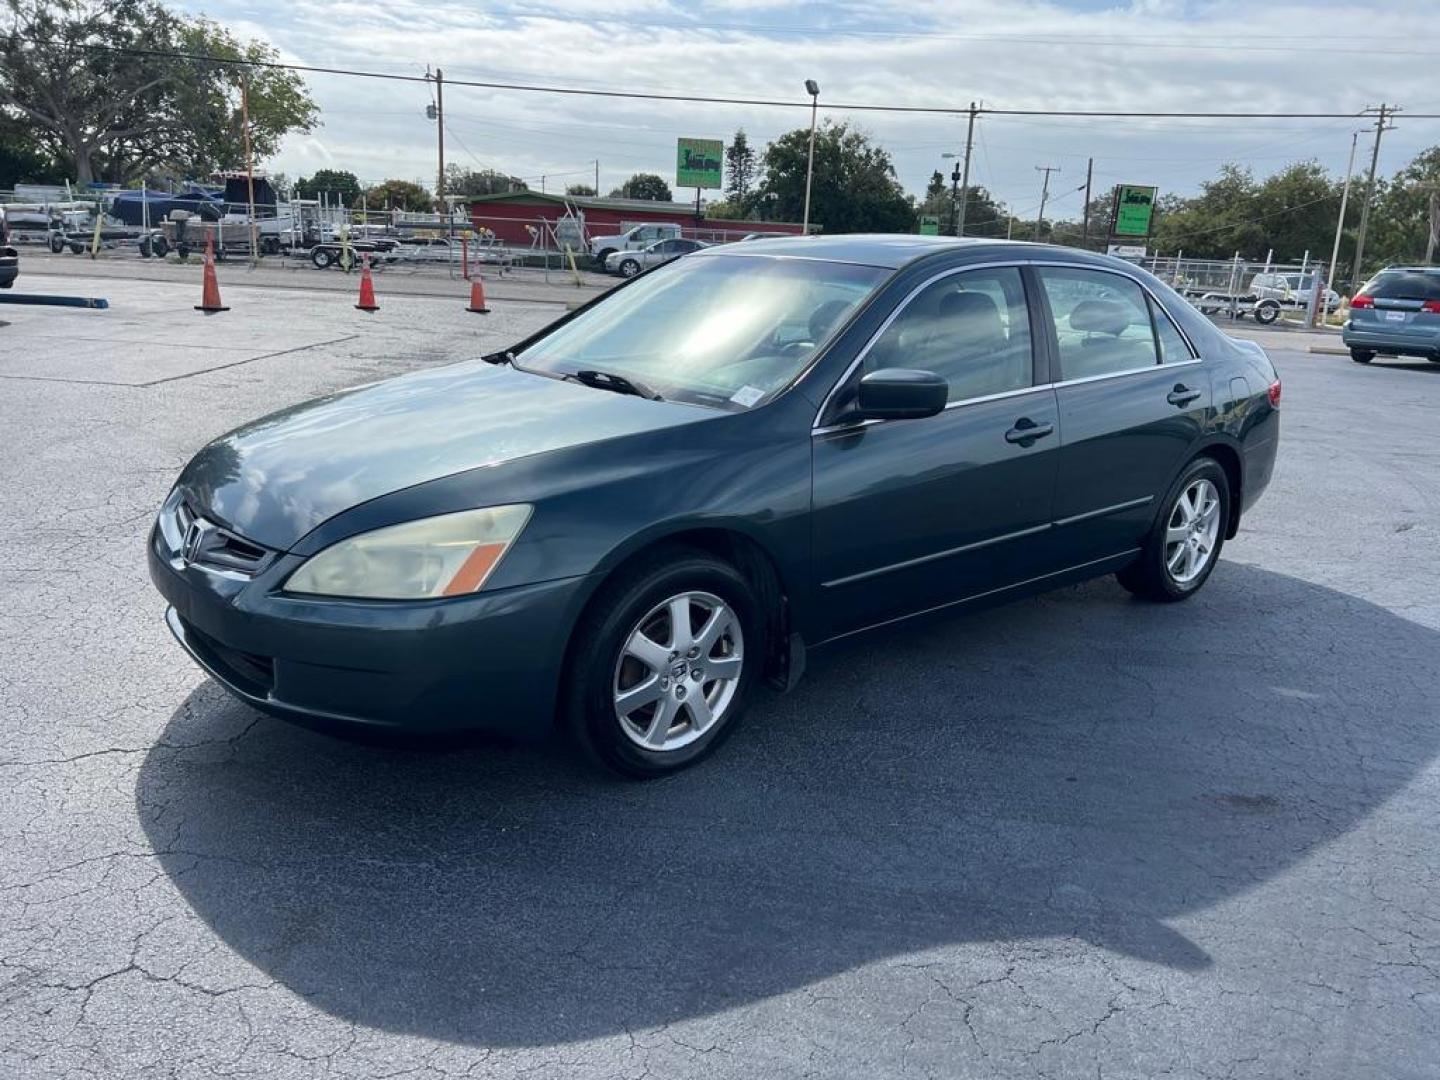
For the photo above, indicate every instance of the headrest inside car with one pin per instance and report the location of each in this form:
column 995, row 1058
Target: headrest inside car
column 1100, row 317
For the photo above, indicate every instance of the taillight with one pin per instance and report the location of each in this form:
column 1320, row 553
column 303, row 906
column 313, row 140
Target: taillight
column 1273, row 393
column 1432, row 306
column 1362, row 301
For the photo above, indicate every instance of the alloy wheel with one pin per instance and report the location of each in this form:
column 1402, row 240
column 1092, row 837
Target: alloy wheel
column 678, row 671
column 1192, row 531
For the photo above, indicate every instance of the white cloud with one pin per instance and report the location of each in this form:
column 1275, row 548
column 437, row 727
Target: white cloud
column 1155, row 55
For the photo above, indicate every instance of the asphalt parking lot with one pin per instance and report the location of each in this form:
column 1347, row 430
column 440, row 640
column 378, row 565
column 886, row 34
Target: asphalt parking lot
column 1076, row 836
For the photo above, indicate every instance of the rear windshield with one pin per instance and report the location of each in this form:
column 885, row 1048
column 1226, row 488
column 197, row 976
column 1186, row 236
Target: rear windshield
column 1403, row 285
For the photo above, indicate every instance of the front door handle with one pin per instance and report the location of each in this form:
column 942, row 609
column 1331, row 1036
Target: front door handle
column 1026, row 431
column 1181, row 395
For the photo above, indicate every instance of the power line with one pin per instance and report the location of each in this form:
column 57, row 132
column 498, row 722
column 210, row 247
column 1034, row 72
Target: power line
column 933, row 110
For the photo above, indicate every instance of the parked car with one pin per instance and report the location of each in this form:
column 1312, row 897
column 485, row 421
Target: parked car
column 1397, row 313
column 1292, row 290
column 629, row 263
column 628, row 521
column 641, row 236
column 9, row 257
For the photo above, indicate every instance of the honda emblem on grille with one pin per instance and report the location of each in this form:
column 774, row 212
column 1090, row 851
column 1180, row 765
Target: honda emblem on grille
column 194, row 540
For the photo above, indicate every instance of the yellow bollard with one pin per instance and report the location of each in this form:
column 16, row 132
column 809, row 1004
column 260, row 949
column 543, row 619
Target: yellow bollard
column 574, row 270
column 95, row 240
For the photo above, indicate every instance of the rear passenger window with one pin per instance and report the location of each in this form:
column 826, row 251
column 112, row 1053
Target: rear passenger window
column 1102, row 322
column 973, row 328
column 1173, row 349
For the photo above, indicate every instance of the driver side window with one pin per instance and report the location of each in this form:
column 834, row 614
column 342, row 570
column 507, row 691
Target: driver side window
column 971, row 328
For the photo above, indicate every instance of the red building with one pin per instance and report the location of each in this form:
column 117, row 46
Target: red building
column 510, row 217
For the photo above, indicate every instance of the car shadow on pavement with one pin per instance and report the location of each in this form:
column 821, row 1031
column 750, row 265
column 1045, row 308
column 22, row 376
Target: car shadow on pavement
column 1077, row 766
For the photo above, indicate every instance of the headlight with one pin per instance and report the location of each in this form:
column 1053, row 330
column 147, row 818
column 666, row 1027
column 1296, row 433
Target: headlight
column 450, row 555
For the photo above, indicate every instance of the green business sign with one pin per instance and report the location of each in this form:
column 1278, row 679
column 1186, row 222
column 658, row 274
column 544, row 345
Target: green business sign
column 929, row 226
column 1134, row 210
column 697, row 163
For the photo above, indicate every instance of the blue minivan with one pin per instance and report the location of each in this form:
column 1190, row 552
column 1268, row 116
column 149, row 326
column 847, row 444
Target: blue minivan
column 1397, row 313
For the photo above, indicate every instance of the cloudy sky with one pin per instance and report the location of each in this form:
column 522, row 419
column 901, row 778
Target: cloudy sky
column 1281, row 55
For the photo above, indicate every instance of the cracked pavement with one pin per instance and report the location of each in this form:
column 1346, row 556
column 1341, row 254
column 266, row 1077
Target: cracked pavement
column 1075, row 836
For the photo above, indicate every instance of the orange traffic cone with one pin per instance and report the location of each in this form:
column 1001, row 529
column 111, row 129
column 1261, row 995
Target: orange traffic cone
column 477, row 297
column 367, row 289
column 210, row 291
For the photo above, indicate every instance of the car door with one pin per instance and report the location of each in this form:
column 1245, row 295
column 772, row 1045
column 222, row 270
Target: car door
column 914, row 514
column 1133, row 399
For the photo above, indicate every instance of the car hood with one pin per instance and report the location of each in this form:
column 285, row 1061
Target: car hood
column 274, row 480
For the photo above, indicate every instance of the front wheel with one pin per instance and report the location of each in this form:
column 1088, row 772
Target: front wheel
column 629, row 268
column 663, row 663
column 1185, row 541
column 1266, row 312
column 1361, row 356
column 321, row 258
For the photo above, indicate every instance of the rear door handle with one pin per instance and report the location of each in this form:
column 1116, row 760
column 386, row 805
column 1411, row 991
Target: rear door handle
column 1181, row 395
column 1026, row 431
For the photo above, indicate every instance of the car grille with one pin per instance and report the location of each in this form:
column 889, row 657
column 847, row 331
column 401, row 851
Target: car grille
column 218, row 548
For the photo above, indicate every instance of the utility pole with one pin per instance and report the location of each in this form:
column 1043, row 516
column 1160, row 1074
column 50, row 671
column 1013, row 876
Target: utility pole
column 965, row 174
column 249, row 165
column 1344, row 202
column 440, row 134
column 1089, row 176
column 597, row 178
column 1434, row 227
column 1380, row 129
column 1044, row 196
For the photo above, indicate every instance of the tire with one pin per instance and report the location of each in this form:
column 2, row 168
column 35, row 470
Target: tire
column 1164, row 570
column 77, row 249
column 159, row 246
column 346, row 260
column 145, row 249
column 1266, row 312
column 662, row 731
column 321, row 258
column 602, row 256
column 1361, row 356
column 269, row 245
column 629, row 268
column 56, row 243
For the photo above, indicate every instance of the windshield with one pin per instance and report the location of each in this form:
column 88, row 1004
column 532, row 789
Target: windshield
column 725, row 331
column 1403, row 285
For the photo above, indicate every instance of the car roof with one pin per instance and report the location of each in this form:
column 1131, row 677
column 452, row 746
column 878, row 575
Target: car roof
column 1411, row 269
column 889, row 250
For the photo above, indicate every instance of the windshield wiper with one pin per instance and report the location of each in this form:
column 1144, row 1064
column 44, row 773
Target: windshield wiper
column 621, row 384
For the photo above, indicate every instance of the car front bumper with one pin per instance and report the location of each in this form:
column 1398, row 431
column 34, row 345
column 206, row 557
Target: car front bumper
column 491, row 661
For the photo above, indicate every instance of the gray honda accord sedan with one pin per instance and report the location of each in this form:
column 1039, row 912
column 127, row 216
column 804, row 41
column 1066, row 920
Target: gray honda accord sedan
column 627, row 522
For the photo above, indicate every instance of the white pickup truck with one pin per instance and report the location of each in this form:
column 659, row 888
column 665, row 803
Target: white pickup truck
column 640, row 236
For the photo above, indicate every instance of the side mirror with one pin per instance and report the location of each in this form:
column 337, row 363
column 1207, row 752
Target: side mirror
column 901, row 394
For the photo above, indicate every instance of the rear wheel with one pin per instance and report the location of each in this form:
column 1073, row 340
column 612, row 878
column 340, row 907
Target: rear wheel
column 1266, row 312
column 321, row 258
column 664, row 662
column 1185, row 541
column 1361, row 356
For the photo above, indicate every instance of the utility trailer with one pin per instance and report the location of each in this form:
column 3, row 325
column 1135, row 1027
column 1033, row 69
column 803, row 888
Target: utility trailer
column 1237, row 305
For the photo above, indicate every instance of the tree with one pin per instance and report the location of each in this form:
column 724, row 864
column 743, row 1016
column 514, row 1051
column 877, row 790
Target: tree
column 399, row 195
column 107, row 114
column 1401, row 221
column 468, row 183
column 854, row 189
column 332, row 183
column 644, row 186
column 742, row 165
column 580, row 190
column 20, row 163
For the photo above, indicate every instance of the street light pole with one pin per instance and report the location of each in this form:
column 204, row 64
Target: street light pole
column 813, row 89
column 1344, row 203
